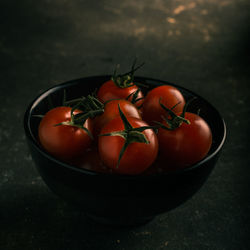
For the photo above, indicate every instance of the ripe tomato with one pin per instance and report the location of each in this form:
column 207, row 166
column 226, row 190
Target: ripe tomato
column 185, row 145
column 91, row 161
column 137, row 156
column 167, row 95
column 63, row 141
column 111, row 111
column 110, row 90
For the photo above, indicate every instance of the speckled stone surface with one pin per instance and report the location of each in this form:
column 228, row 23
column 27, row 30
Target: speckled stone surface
column 201, row 45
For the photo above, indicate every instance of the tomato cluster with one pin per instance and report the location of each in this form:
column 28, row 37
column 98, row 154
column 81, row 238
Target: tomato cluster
column 124, row 130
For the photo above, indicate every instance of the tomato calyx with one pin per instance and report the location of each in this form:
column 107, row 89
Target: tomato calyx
column 129, row 134
column 135, row 98
column 127, row 79
column 175, row 121
column 77, row 120
column 91, row 106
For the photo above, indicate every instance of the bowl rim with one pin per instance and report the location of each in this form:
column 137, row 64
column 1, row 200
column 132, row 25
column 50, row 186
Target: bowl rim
column 30, row 136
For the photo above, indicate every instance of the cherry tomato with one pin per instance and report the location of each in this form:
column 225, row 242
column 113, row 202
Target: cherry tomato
column 109, row 91
column 63, row 141
column 91, row 161
column 185, row 145
column 167, row 95
column 137, row 156
column 111, row 111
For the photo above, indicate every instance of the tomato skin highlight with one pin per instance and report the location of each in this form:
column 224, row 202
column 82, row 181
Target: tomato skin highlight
column 185, row 145
column 137, row 156
column 111, row 111
column 167, row 95
column 109, row 91
column 63, row 142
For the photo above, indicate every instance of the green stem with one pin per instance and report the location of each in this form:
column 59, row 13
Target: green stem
column 176, row 120
column 125, row 80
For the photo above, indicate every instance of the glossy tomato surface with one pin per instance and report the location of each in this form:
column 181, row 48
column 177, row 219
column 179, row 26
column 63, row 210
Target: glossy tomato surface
column 186, row 144
column 111, row 111
column 109, row 90
column 167, row 95
column 63, row 141
column 137, row 156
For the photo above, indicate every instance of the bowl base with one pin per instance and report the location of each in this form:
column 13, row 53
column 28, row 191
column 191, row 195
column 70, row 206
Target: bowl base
column 120, row 221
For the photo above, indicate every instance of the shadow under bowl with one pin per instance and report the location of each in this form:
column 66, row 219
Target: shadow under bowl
column 112, row 198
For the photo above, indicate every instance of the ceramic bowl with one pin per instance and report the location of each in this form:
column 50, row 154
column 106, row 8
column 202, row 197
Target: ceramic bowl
column 112, row 198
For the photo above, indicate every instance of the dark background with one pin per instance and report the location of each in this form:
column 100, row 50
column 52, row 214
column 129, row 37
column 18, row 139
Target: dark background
column 202, row 45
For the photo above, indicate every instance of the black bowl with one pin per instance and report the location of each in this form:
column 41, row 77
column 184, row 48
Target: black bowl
column 113, row 198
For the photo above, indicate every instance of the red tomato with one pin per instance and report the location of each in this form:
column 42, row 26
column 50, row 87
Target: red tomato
column 63, row 141
column 91, row 161
column 137, row 156
column 109, row 91
column 167, row 95
column 111, row 111
column 186, row 144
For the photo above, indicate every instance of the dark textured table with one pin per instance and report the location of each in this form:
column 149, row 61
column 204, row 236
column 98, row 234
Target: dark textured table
column 201, row 45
